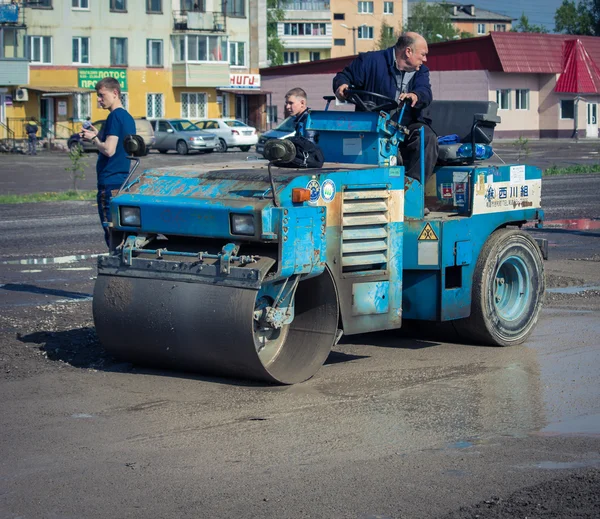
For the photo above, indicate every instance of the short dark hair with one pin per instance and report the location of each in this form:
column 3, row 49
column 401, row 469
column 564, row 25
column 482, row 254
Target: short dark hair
column 405, row 41
column 297, row 92
column 110, row 83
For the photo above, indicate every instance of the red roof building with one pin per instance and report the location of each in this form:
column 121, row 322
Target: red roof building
column 543, row 83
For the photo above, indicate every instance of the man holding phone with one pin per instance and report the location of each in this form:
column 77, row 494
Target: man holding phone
column 112, row 167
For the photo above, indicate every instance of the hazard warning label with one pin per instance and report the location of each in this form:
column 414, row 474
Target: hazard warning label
column 428, row 234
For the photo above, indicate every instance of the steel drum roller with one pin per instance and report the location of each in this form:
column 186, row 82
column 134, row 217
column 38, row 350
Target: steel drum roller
column 211, row 329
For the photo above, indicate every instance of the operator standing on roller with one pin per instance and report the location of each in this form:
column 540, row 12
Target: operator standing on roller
column 398, row 73
column 112, row 167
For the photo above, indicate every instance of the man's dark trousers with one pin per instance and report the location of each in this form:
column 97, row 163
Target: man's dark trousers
column 411, row 151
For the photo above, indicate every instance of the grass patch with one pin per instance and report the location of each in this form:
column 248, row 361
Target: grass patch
column 48, row 197
column 572, row 170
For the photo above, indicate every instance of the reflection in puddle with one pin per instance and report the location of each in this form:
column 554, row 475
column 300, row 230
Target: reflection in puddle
column 51, row 261
column 576, row 224
column 588, row 424
column 572, row 290
column 557, row 465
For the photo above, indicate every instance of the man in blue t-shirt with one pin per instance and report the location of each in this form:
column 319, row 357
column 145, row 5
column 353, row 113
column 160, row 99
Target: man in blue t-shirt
column 112, row 167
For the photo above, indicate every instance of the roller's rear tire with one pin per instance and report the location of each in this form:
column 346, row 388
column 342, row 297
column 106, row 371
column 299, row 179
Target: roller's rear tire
column 508, row 290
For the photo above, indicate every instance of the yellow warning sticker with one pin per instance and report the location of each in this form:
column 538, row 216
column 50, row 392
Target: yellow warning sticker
column 428, row 233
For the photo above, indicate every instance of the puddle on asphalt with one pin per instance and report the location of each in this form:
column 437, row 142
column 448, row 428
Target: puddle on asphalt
column 572, row 290
column 52, row 261
column 559, row 465
column 82, row 415
column 575, row 224
column 588, row 424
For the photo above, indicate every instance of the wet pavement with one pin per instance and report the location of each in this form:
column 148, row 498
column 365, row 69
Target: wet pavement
column 394, row 425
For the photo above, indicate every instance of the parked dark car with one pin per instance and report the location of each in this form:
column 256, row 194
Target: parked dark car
column 142, row 127
column 285, row 129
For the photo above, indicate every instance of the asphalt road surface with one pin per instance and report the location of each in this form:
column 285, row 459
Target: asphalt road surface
column 393, row 426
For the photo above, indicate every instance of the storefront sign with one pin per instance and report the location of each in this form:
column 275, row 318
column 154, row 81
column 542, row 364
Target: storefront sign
column 62, row 108
column 8, row 100
column 250, row 81
column 88, row 77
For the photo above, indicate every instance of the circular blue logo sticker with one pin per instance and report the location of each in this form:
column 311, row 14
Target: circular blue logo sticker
column 315, row 191
column 328, row 191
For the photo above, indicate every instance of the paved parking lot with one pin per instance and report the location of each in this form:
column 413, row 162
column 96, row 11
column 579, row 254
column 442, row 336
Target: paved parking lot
column 46, row 171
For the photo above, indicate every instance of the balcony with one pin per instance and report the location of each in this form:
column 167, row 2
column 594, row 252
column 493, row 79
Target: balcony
column 9, row 13
column 14, row 71
column 199, row 21
column 200, row 74
column 301, row 5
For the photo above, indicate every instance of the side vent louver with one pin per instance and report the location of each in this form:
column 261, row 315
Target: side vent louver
column 365, row 230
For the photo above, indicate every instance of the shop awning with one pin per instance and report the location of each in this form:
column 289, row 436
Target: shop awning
column 245, row 91
column 57, row 91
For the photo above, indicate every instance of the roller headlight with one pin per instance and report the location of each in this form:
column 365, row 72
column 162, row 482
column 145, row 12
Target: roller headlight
column 242, row 224
column 130, row 216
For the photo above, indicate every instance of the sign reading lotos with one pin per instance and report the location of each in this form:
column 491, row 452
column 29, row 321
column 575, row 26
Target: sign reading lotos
column 88, row 77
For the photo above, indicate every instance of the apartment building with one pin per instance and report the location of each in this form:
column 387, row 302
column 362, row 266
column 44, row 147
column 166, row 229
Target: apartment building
column 468, row 18
column 14, row 66
column 173, row 58
column 320, row 29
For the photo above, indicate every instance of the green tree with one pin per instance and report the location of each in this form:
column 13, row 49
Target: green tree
column 78, row 165
column 387, row 37
column 577, row 18
column 432, row 21
column 523, row 25
column 275, row 14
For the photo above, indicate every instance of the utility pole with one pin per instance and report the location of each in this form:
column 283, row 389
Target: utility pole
column 353, row 29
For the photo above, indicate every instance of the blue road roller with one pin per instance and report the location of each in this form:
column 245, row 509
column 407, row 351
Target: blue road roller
column 254, row 271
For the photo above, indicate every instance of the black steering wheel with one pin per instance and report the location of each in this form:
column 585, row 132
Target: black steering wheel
column 356, row 97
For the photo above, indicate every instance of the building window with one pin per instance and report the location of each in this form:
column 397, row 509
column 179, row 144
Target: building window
column 305, row 29
column 365, row 33
column 315, row 56
column 154, row 53
column 339, row 16
column 237, row 55
column 200, row 48
column 118, row 5
column 567, row 109
column 388, row 32
column 193, row 105
column 234, row 8
column 226, row 105
column 522, row 99
column 118, row 51
column 154, row 6
column 125, row 100
column 81, row 107
column 271, row 114
column 193, row 5
column 80, row 4
column 481, row 28
column 503, row 99
column 154, row 106
column 500, row 27
column 365, row 7
column 388, row 7
column 40, row 49
column 81, row 51
column 43, row 4
column 291, row 57
column 339, row 42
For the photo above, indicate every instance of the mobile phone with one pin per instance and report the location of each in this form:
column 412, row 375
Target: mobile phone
column 86, row 125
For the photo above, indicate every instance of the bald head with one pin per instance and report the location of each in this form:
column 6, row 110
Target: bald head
column 411, row 51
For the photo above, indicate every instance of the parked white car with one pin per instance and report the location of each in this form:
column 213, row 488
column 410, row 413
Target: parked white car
column 230, row 132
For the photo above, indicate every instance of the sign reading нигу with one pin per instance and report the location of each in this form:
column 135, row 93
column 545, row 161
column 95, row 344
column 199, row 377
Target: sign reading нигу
column 88, row 77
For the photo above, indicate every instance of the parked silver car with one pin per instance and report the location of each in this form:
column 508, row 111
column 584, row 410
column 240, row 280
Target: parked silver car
column 231, row 133
column 182, row 136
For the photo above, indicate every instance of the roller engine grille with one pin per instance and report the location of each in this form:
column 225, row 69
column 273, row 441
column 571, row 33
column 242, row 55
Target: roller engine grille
column 365, row 230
